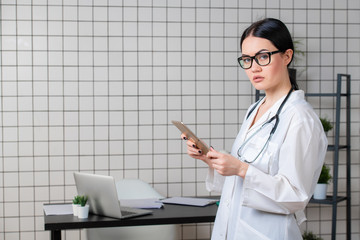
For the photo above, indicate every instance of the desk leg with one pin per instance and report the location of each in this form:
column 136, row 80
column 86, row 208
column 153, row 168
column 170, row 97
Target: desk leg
column 55, row 234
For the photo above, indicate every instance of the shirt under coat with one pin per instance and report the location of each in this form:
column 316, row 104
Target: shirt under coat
column 269, row 202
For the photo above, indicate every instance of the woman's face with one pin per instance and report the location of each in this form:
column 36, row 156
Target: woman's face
column 272, row 76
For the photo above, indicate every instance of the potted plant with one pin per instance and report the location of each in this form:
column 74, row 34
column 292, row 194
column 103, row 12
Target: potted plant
column 83, row 209
column 75, row 204
column 310, row 236
column 321, row 186
column 326, row 125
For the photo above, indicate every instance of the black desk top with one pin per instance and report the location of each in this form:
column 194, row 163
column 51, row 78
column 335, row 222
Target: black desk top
column 169, row 214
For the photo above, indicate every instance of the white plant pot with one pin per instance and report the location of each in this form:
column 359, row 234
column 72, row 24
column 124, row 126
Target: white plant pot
column 320, row 191
column 75, row 209
column 83, row 212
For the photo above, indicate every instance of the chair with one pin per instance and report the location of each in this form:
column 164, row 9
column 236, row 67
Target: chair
column 135, row 189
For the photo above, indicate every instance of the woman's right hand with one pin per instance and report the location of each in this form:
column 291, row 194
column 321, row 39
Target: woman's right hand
column 194, row 152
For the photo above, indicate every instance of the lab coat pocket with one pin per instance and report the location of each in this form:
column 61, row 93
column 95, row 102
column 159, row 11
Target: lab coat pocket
column 248, row 232
column 264, row 154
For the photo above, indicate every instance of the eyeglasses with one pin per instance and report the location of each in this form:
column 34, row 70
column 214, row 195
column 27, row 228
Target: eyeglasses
column 261, row 58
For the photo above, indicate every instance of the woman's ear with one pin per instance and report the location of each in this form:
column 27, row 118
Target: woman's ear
column 288, row 56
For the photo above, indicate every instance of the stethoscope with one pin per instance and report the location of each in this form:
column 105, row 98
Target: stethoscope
column 275, row 117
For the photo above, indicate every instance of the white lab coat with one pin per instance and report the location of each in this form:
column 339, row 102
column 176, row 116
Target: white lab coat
column 269, row 202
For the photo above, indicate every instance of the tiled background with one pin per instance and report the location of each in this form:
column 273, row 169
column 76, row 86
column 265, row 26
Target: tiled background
column 92, row 85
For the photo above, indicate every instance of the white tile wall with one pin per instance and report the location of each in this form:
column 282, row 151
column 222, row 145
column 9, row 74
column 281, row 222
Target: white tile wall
column 93, row 85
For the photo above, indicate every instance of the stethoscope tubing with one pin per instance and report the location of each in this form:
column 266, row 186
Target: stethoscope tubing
column 277, row 120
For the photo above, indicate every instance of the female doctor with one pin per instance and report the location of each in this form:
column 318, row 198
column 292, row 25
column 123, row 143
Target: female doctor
column 276, row 159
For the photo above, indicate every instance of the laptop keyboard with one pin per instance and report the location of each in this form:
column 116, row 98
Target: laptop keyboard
column 133, row 212
column 126, row 213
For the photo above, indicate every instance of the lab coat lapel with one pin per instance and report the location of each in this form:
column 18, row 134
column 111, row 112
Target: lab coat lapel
column 269, row 114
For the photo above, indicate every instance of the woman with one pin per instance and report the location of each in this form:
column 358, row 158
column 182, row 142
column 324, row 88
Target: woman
column 276, row 159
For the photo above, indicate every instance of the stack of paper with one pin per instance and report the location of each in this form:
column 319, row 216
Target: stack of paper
column 58, row 209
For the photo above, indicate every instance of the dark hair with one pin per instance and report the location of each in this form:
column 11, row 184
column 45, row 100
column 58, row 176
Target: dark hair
column 276, row 32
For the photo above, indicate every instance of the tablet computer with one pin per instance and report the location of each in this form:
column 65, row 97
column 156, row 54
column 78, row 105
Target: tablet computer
column 190, row 135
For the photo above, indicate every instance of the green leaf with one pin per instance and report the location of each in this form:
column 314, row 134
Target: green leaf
column 76, row 200
column 325, row 175
column 83, row 200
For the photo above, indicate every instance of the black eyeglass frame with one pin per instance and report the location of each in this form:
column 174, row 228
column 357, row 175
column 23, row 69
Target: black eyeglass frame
column 256, row 60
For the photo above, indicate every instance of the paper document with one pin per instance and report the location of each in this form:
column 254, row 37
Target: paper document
column 141, row 203
column 200, row 202
column 58, row 209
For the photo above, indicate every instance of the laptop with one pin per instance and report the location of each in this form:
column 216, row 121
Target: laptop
column 102, row 196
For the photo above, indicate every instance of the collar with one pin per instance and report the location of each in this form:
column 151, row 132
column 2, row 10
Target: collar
column 295, row 95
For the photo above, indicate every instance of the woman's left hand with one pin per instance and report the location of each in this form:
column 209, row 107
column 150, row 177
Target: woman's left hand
column 226, row 164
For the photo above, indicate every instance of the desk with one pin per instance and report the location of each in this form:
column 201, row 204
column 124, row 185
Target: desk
column 169, row 214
